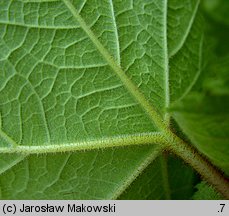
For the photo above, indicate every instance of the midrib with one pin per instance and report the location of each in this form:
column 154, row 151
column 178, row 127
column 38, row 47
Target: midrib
column 130, row 86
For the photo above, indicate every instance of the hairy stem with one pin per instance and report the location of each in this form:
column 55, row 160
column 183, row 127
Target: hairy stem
column 191, row 156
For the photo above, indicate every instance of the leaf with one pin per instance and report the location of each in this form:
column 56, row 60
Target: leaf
column 90, row 175
column 217, row 9
column 181, row 15
column 86, row 75
column 204, row 116
column 173, row 181
column 206, row 192
column 218, row 82
column 217, row 24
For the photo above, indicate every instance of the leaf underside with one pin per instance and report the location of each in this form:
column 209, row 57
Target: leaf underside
column 58, row 88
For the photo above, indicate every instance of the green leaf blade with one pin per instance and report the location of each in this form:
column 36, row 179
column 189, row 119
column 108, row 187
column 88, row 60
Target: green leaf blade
column 60, row 87
column 91, row 175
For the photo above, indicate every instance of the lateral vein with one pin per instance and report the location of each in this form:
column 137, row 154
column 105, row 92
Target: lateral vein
column 199, row 69
column 12, row 164
column 116, row 32
column 118, row 141
column 8, row 139
column 130, row 86
column 153, row 154
column 180, row 45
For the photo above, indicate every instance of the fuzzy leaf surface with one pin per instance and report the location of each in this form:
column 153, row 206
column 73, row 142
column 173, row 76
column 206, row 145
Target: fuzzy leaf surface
column 57, row 89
